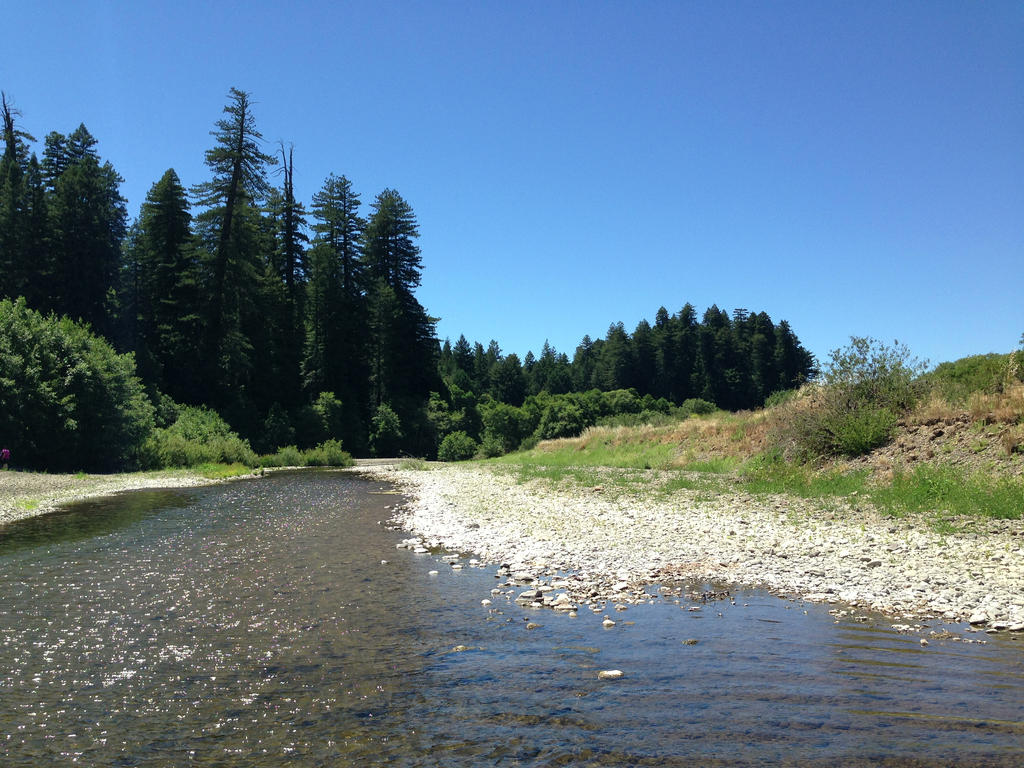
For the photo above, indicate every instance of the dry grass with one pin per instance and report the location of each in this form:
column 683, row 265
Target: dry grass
column 1006, row 407
column 933, row 410
column 741, row 435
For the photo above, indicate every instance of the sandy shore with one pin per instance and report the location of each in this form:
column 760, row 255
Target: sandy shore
column 618, row 541
column 27, row 494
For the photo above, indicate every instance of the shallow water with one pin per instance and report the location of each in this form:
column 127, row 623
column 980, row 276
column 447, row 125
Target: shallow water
column 253, row 624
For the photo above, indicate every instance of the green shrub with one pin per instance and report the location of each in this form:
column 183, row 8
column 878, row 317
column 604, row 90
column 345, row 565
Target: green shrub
column 780, row 397
column 286, row 456
column 957, row 380
column 698, row 406
column 491, row 447
column 859, row 431
column 560, row 419
column 328, row 454
column 198, row 436
column 67, row 399
column 504, row 425
column 866, row 387
column 457, row 446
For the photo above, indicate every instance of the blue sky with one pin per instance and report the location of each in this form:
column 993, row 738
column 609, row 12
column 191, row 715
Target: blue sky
column 855, row 168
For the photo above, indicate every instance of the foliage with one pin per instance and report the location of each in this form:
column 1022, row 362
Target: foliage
column 956, row 381
column 285, row 456
column 457, row 446
column 697, row 406
column 198, row 436
column 945, row 490
column 561, row 418
column 385, row 431
column 505, row 426
column 67, row 400
column 327, row 454
column 867, row 386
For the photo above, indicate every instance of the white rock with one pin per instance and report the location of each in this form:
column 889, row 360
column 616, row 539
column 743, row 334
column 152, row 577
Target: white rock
column 609, row 674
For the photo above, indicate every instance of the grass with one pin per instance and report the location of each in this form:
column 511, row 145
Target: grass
column 936, row 493
column 939, row 492
column 213, row 471
column 414, row 464
column 26, row 504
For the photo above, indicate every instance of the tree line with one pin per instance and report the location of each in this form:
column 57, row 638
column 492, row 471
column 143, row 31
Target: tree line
column 232, row 294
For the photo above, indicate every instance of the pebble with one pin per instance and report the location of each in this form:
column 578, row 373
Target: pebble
column 609, row 674
column 782, row 544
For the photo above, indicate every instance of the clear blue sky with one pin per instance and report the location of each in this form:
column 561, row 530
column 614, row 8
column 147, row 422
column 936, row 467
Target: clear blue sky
column 856, row 168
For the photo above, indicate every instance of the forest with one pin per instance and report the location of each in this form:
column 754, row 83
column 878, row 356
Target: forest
column 293, row 324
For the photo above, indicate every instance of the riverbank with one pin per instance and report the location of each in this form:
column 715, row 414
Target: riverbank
column 28, row 494
column 617, row 538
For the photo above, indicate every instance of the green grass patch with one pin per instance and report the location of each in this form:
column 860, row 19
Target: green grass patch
column 597, row 453
column 768, row 474
column 415, row 464
column 946, row 491
column 213, row 471
column 719, row 465
column 26, row 505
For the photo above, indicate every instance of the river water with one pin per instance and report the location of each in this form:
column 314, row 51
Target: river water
column 253, row 624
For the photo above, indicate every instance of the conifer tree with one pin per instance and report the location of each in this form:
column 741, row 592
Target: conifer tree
column 229, row 227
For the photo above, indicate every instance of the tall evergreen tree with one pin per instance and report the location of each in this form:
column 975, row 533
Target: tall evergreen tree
column 169, row 312
column 13, row 204
column 336, row 354
column 239, row 182
column 87, row 221
column 404, row 348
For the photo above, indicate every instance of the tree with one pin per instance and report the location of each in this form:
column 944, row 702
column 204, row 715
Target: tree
column 14, row 205
column 390, row 251
column 239, row 181
column 87, row 222
column 404, row 348
column 335, row 356
column 169, row 314
column 67, row 400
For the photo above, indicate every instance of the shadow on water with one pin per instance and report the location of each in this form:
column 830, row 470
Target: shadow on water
column 87, row 519
column 274, row 623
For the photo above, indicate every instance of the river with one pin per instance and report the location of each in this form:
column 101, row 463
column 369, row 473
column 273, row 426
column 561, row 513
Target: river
column 255, row 624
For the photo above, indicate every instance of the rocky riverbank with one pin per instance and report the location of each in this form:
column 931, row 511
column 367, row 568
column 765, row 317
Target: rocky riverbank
column 614, row 542
column 27, row 494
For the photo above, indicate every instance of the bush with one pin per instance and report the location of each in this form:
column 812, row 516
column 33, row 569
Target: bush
column 560, row 419
column 958, row 380
column 698, row 407
column 504, row 425
column 328, row 454
column 67, row 399
column 198, row 436
column 867, row 386
column 286, row 456
column 457, row 446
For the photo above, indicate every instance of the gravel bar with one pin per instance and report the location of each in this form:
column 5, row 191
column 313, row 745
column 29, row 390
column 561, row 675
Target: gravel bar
column 617, row 542
column 29, row 494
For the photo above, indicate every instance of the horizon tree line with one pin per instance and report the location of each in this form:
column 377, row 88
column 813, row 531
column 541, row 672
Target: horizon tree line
column 235, row 295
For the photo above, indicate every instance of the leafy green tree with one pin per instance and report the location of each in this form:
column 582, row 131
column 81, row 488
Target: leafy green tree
column 289, row 267
column 385, row 431
column 68, row 401
column 457, row 446
column 508, row 383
